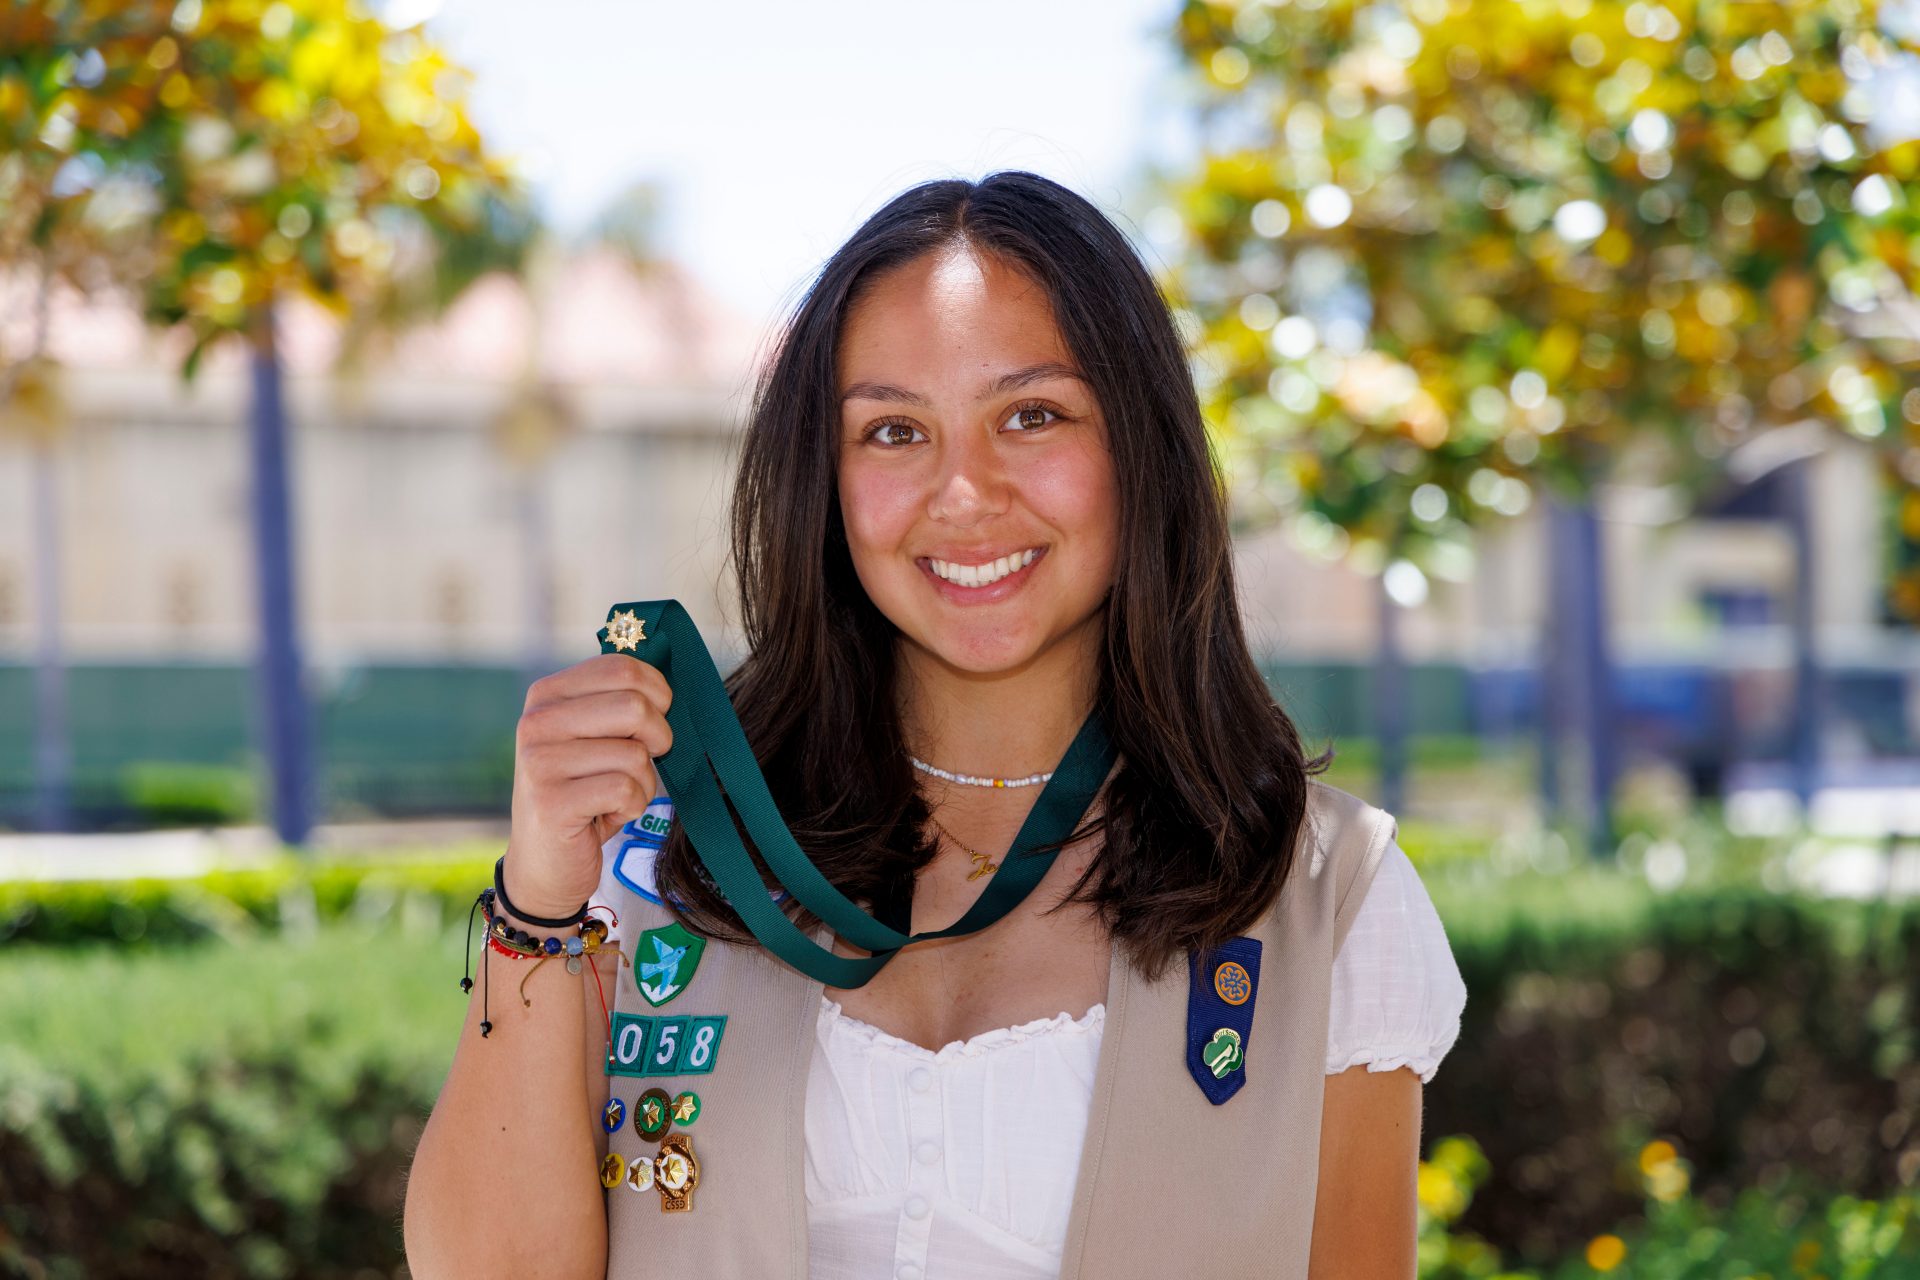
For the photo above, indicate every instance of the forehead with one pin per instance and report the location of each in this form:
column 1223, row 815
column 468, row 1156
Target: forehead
column 956, row 310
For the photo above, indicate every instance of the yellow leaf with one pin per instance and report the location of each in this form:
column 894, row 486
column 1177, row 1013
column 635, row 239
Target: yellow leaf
column 1606, row 1252
column 1613, row 247
column 1558, row 348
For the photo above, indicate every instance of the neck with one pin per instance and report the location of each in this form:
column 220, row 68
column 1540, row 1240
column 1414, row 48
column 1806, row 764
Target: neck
column 1003, row 723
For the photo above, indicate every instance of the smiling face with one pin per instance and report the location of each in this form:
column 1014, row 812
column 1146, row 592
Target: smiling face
column 975, row 482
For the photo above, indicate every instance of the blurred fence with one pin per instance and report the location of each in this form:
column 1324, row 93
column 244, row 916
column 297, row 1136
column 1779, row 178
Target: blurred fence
column 159, row 744
column 172, row 744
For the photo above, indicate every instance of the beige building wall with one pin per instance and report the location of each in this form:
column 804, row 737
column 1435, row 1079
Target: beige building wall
column 411, row 543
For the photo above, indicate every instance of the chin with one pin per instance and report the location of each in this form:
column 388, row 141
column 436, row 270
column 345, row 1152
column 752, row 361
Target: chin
column 980, row 654
column 985, row 661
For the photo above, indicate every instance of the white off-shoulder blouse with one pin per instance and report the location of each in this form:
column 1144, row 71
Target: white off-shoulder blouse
column 961, row 1162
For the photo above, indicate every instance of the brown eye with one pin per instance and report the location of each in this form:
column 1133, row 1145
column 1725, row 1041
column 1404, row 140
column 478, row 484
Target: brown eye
column 883, row 432
column 1033, row 416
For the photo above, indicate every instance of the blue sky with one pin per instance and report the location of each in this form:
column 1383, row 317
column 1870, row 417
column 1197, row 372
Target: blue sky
column 777, row 127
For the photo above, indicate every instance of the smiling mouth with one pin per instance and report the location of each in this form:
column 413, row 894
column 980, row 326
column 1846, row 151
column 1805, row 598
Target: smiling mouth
column 982, row 575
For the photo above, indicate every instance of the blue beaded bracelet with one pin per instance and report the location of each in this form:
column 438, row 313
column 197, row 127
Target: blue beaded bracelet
column 520, row 943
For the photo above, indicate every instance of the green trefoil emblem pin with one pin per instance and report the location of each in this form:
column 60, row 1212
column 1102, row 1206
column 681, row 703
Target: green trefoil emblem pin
column 1222, row 1054
column 664, row 961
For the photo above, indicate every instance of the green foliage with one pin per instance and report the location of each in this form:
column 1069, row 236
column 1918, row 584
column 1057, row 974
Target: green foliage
column 233, row 1109
column 437, row 886
column 1772, row 1036
column 1361, row 753
column 174, row 793
column 1709, row 1076
column 1680, row 1236
column 214, row 156
column 1440, row 254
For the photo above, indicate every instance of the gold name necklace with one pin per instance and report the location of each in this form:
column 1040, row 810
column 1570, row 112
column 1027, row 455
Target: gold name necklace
column 982, row 864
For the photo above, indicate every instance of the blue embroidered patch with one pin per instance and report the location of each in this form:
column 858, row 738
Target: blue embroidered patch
column 1221, row 990
column 641, row 843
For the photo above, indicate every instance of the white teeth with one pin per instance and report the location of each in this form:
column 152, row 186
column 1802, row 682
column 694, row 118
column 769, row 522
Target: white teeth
column 980, row 575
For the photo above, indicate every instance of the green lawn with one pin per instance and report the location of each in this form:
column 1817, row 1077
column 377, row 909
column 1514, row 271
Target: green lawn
column 85, row 1012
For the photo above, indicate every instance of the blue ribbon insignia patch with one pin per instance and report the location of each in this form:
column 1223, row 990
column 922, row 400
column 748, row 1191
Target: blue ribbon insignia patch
column 1221, row 986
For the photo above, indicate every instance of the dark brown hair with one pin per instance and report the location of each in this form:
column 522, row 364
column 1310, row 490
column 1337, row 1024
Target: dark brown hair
column 1202, row 814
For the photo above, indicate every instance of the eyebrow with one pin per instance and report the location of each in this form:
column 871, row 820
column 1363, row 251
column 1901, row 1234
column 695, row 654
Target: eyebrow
column 999, row 386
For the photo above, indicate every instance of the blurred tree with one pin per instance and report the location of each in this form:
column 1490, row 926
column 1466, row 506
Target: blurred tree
column 1446, row 257
column 213, row 156
column 33, row 407
column 630, row 225
column 537, row 419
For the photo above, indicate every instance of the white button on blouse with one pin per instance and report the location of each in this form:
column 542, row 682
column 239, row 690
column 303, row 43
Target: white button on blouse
column 961, row 1162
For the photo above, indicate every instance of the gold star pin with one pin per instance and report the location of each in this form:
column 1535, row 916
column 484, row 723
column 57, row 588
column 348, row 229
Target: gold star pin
column 626, row 630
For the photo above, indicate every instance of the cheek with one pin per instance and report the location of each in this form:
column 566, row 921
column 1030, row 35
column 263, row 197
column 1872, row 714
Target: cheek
column 1079, row 494
column 877, row 509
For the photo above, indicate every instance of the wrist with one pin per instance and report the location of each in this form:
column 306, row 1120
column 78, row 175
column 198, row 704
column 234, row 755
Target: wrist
column 527, row 905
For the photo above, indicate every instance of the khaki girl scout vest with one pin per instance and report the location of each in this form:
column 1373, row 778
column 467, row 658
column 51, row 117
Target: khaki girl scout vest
column 1169, row 1183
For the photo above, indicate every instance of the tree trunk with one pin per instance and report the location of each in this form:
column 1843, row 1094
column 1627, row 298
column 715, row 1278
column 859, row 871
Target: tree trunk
column 52, row 738
column 1797, row 484
column 1596, row 698
column 1577, row 672
column 1390, row 703
column 1553, row 665
column 539, row 584
column 53, row 731
column 280, row 700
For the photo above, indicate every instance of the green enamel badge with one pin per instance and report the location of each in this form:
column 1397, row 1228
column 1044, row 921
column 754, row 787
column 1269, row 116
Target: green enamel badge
column 1222, row 1054
column 663, row 962
column 652, row 1113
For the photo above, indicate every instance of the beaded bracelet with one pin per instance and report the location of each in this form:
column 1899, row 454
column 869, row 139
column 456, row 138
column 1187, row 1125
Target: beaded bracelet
column 519, row 944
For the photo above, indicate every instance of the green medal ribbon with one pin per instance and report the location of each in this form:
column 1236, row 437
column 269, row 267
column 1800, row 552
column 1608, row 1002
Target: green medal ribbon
column 710, row 750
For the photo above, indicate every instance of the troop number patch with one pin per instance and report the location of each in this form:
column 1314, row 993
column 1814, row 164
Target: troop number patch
column 649, row 1045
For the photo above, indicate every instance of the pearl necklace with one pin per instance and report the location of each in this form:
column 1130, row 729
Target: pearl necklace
column 972, row 781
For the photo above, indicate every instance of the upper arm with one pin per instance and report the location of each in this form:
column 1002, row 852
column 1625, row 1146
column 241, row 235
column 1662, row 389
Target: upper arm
column 1365, row 1218
column 1395, row 1005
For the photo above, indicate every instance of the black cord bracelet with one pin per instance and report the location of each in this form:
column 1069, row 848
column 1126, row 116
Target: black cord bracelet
column 506, row 903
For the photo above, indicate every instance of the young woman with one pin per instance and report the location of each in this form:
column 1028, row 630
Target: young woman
column 975, row 507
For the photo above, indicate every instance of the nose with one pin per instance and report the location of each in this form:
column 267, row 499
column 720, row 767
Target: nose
column 971, row 483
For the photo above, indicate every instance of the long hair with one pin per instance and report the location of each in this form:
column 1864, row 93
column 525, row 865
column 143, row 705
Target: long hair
column 1201, row 817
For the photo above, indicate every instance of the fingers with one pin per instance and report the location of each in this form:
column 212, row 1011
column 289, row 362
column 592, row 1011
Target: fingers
column 615, row 713
column 561, row 806
column 617, row 793
column 602, row 672
column 552, row 765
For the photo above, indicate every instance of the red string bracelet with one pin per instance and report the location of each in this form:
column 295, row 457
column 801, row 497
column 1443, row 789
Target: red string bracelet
column 518, row 944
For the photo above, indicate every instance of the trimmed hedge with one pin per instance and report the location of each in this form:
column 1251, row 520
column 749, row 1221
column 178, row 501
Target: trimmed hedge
column 242, row 1100
column 242, row 1109
column 1679, row 1236
column 239, row 904
column 1770, row 1038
